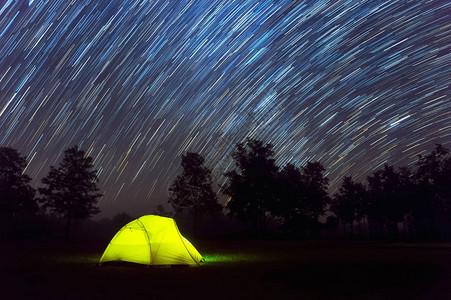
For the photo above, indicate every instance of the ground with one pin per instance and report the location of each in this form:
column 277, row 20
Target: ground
column 233, row 270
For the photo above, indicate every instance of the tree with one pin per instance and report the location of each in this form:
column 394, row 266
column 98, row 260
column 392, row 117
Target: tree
column 252, row 186
column 290, row 202
column 387, row 202
column 434, row 171
column 191, row 191
column 302, row 197
column 16, row 195
column 349, row 203
column 70, row 190
column 315, row 185
column 407, row 192
column 432, row 200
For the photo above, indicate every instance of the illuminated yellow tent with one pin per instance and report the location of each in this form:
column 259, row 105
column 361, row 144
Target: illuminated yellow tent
column 151, row 240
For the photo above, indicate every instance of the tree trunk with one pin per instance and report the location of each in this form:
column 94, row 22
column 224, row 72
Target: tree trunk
column 264, row 224
column 365, row 226
column 404, row 228
column 395, row 229
column 344, row 229
column 68, row 223
column 360, row 228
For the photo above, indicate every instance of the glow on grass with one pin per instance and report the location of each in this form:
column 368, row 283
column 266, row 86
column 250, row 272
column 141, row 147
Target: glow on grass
column 62, row 258
column 230, row 257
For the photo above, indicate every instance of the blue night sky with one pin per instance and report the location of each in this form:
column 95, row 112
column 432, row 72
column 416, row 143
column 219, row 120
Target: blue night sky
column 352, row 84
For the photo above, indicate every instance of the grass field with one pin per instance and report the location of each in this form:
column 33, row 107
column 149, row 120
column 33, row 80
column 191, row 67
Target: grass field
column 233, row 270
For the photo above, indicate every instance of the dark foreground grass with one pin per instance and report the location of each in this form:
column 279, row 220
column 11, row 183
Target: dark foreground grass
column 233, row 270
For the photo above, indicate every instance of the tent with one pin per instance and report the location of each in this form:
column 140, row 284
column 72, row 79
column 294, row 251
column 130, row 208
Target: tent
column 151, row 240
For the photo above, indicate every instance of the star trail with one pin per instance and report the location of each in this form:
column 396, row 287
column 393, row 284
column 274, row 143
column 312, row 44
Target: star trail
column 352, row 84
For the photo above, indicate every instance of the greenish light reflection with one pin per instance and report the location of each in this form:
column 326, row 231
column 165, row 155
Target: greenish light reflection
column 230, row 257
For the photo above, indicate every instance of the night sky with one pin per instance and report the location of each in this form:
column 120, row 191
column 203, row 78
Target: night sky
column 352, row 84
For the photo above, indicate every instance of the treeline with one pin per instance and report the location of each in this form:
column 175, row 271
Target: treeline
column 394, row 202
column 264, row 197
column 412, row 202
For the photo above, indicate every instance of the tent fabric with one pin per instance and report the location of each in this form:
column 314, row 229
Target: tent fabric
column 151, row 240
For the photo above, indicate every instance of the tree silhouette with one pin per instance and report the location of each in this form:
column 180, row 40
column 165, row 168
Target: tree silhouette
column 251, row 186
column 387, row 202
column 432, row 198
column 191, row 191
column 302, row 197
column 315, row 183
column 16, row 194
column 406, row 195
column 291, row 207
column 349, row 203
column 70, row 190
column 420, row 199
